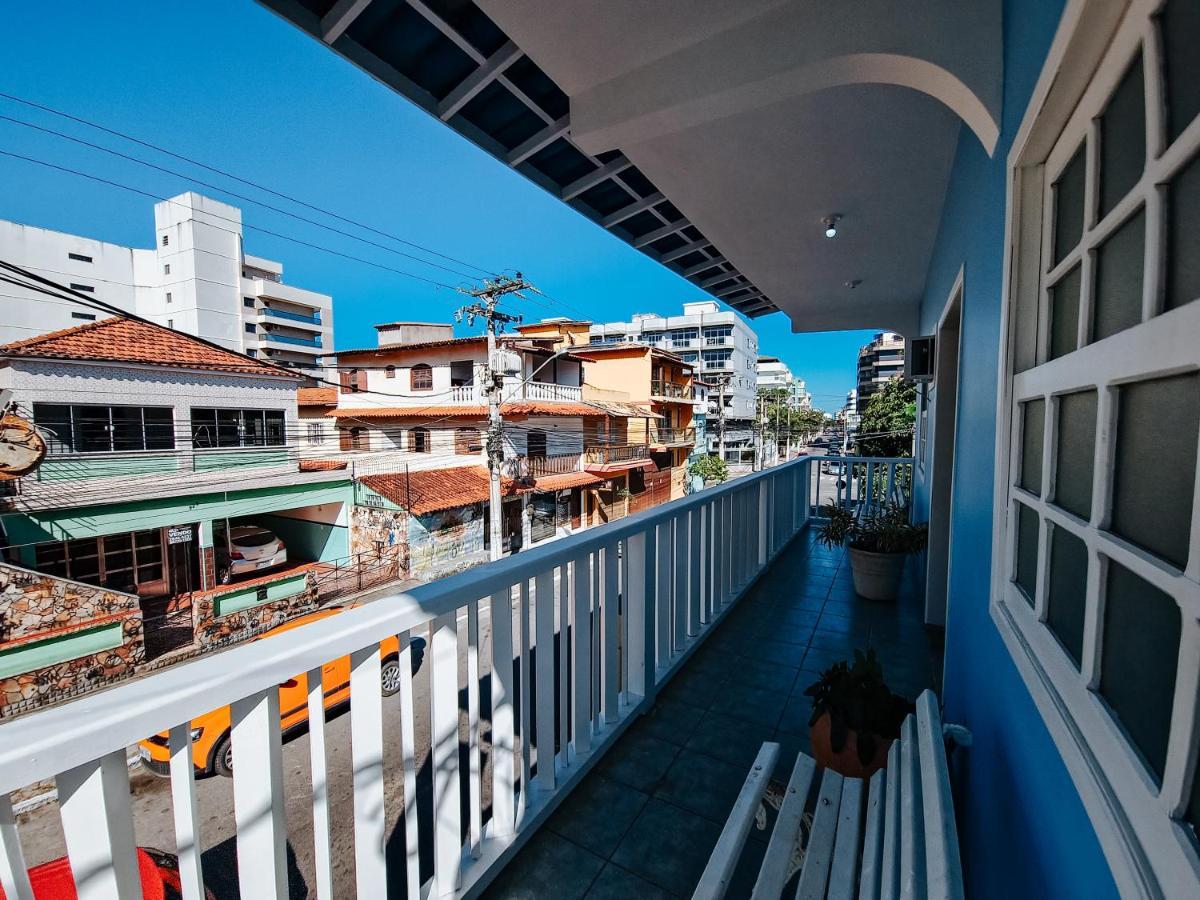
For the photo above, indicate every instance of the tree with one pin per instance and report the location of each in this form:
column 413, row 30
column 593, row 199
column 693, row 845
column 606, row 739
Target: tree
column 886, row 426
column 710, row 468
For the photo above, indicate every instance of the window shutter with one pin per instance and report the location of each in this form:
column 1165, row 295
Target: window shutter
column 346, row 379
column 361, row 380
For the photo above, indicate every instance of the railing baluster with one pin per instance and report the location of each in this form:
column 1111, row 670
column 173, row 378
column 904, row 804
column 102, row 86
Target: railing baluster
column 258, row 795
column 526, row 701
column 564, row 667
column 695, row 560
column 184, row 808
column 97, row 823
column 474, row 754
column 639, row 615
column 581, row 581
column 319, row 768
column 14, row 877
column 366, row 752
column 443, row 691
column 544, row 675
column 762, row 502
column 679, row 606
column 408, row 760
column 609, row 634
column 664, row 547
column 504, row 774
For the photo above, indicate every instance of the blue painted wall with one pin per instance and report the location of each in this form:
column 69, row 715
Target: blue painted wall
column 1023, row 828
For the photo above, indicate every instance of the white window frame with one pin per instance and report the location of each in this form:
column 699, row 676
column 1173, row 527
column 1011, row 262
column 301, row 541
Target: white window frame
column 1150, row 853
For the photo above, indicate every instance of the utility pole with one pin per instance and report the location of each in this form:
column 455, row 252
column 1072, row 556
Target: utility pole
column 486, row 298
column 722, row 380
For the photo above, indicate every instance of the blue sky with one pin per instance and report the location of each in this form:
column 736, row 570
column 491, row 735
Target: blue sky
column 228, row 83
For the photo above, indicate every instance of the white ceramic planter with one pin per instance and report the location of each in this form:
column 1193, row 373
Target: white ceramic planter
column 876, row 575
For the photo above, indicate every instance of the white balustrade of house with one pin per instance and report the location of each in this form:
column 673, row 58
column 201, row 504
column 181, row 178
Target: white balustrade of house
column 467, row 393
column 857, row 481
column 627, row 603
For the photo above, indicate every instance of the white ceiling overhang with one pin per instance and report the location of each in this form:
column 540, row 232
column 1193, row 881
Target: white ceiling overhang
column 743, row 124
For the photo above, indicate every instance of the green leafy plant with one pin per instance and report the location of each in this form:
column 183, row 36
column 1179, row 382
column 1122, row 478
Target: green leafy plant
column 858, row 699
column 710, row 468
column 884, row 530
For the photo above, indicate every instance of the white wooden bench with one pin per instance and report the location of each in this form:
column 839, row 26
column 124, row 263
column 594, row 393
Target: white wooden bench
column 891, row 838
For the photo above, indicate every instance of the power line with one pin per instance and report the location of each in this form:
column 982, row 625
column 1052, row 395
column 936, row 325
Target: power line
column 226, row 174
column 283, row 237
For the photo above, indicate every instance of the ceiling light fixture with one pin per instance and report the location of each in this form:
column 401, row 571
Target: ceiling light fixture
column 831, row 223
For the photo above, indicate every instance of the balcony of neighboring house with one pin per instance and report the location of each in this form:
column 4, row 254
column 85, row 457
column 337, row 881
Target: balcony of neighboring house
column 667, row 436
column 303, row 320
column 539, row 465
column 661, row 389
column 517, row 389
column 272, row 336
column 644, row 665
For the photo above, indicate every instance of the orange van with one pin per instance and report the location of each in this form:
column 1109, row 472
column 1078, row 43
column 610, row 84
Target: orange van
column 212, row 748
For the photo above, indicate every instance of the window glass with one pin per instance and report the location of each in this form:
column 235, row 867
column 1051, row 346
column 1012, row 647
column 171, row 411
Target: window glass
column 1066, row 600
column 1181, row 64
column 159, row 427
column 1123, row 138
column 1119, row 262
column 1064, row 314
column 238, row 427
column 103, row 429
column 421, row 378
column 1076, row 453
column 418, row 440
column 1183, row 225
column 1068, row 205
column 1027, row 551
column 1155, row 474
column 1032, row 434
column 1139, row 657
column 127, row 428
column 54, row 422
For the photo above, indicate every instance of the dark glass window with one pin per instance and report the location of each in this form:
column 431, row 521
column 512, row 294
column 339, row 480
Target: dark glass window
column 1027, row 551
column 1064, row 314
column 1032, row 433
column 1067, row 591
column 535, row 444
column 1068, row 205
column 1123, row 139
column 1139, row 659
column 1119, row 263
column 1183, row 224
column 98, row 429
column 238, row 428
column 418, row 440
column 1181, row 63
column 131, row 562
column 1076, row 454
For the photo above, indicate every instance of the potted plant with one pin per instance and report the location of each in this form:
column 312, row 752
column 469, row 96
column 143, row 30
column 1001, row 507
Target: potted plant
column 855, row 717
column 879, row 540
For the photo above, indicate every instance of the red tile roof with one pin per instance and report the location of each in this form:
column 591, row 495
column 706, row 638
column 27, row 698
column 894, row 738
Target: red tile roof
column 316, row 396
column 322, row 465
column 433, row 490
column 118, row 339
column 423, row 345
column 515, row 408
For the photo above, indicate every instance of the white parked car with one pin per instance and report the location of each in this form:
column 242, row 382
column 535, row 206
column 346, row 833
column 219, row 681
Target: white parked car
column 252, row 548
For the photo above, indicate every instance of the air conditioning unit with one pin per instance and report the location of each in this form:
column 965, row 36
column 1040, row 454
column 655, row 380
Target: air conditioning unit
column 919, row 360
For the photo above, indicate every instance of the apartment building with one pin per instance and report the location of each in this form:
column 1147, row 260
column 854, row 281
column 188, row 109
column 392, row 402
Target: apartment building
column 122, row 545
column 411, row 414
column 878, row 363
column 723, row 347
column 196, row 278
column 774, row 373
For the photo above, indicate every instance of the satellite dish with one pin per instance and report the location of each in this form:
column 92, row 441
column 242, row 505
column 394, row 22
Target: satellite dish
column 22, row 449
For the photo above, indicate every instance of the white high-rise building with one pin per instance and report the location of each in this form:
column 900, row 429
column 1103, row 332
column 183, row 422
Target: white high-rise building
column 196, row 279
column 774, row 373
column 720, row 344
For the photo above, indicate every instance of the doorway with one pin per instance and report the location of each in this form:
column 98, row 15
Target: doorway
column 942, row 392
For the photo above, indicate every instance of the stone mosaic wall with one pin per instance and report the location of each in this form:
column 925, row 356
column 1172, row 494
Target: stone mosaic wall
column 36, row 607
column 213, row 631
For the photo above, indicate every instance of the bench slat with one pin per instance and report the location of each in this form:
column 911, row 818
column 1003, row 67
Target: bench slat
column 912, row 835
column 943, row 864
column 819, row 855
column 889, row 869
column 774, row 871
column 843, row 876
column 721, row 865
column 872, row 858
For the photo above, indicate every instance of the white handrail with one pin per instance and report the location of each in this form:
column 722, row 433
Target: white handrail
column 673, row 565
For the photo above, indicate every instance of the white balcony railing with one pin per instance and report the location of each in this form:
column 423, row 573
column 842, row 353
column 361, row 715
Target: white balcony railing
column 541, row 390
column 663, row 578
column 467, row 393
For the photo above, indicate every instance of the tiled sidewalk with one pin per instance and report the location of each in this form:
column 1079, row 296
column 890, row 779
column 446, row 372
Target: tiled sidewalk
column 644, row 822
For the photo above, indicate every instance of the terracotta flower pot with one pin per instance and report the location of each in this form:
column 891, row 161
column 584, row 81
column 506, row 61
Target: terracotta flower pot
column 845, row 762
column 876, row 575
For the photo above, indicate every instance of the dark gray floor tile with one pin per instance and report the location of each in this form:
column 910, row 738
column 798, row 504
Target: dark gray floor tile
column 795, row 715
column 670, row 721
column 614, row 883
column 668, row 846
column 597, row 814
column 638, row 761
column 763, row 673
column 548, row 868
column 731, row 740
column 752, row 704
column 780, row 652
column 702, row 784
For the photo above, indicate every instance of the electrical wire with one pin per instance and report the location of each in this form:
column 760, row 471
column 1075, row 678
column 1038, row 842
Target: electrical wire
column 226, row 174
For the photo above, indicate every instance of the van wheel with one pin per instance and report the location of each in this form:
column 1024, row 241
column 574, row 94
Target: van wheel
column 222, row 759
column 389, row 676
